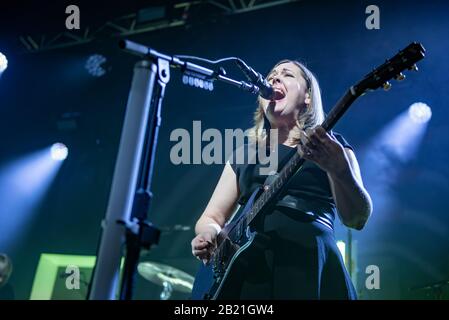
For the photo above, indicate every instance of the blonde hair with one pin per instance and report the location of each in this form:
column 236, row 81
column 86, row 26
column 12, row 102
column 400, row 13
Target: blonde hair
column 312, row 116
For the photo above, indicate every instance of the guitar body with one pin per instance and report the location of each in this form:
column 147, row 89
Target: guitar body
column 222, row 276
column 209, row 287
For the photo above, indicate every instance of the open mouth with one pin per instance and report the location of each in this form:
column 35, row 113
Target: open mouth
column 278, row 94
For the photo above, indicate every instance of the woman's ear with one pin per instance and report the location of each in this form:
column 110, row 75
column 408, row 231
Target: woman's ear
column 307, row 99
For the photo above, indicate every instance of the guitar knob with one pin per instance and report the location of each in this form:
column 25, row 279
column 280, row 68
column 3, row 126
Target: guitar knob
column 400, row 77
column 386, row 86
column 414, row 68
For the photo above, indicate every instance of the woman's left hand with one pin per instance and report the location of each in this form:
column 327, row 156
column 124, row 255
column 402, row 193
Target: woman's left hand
column 323, row 149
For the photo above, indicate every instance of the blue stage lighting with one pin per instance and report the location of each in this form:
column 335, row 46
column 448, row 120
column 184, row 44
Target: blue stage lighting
column 23, row 185
column 94, row 65
column 420, row 112
column 59, row 152
column 3, row 62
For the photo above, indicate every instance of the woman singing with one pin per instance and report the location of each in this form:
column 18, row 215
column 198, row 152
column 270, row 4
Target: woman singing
column 301, row 259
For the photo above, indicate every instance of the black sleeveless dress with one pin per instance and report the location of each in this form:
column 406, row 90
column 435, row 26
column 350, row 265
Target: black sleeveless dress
column 301, row 259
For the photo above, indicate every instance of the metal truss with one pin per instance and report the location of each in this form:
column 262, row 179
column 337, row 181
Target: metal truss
column 128, row 25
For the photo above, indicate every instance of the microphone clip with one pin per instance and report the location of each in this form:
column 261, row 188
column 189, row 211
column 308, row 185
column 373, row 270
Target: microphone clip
column 262, row 87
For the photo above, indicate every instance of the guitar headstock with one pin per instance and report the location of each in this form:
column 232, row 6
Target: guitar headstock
column 393, row 68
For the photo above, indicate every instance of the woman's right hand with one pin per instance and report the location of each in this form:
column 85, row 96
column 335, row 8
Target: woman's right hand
column 204, row 244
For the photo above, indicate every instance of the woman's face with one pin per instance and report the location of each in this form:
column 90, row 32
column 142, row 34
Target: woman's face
column 290, row 89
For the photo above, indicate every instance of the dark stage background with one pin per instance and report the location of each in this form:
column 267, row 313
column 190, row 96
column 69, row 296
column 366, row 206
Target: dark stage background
column 407, row 238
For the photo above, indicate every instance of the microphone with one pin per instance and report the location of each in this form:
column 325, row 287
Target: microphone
column 265, row 90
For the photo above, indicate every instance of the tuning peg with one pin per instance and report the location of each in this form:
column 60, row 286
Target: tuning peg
column 386, row 86
column 400, row 77
column 413, row 68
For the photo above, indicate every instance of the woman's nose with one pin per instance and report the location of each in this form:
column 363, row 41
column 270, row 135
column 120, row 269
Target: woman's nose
column 275, row 80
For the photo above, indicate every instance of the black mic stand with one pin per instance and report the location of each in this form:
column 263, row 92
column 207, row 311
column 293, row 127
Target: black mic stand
column 125, row 224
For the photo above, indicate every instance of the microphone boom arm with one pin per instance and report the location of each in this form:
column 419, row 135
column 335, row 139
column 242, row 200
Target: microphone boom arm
column 147, row 52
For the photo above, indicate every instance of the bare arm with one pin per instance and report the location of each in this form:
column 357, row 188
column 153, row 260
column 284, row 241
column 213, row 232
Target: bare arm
column 223, row 201
column 353, row 202
column 220, row 208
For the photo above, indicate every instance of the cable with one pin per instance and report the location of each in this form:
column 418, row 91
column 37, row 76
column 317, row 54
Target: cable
column 207, row 60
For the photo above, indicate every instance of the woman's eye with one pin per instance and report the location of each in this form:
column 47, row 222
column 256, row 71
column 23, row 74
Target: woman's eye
column 289, row 75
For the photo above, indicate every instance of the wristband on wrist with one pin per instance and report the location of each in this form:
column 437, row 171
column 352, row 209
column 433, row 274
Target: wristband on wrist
column 215, row 226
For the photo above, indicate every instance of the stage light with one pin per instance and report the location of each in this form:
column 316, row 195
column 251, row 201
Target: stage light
column 59, row 151
column 23, row 184
column 94, row 65
column 196, row 81
column 390, row 151
column 3, row 62
column 420, row 112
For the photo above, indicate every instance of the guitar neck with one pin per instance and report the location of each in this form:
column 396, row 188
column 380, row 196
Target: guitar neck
column 339, row 109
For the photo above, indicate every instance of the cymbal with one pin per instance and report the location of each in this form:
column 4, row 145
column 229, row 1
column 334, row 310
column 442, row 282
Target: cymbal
column 159, row 273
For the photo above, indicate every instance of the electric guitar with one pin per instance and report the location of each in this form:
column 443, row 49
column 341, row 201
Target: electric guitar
column 216, row 280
